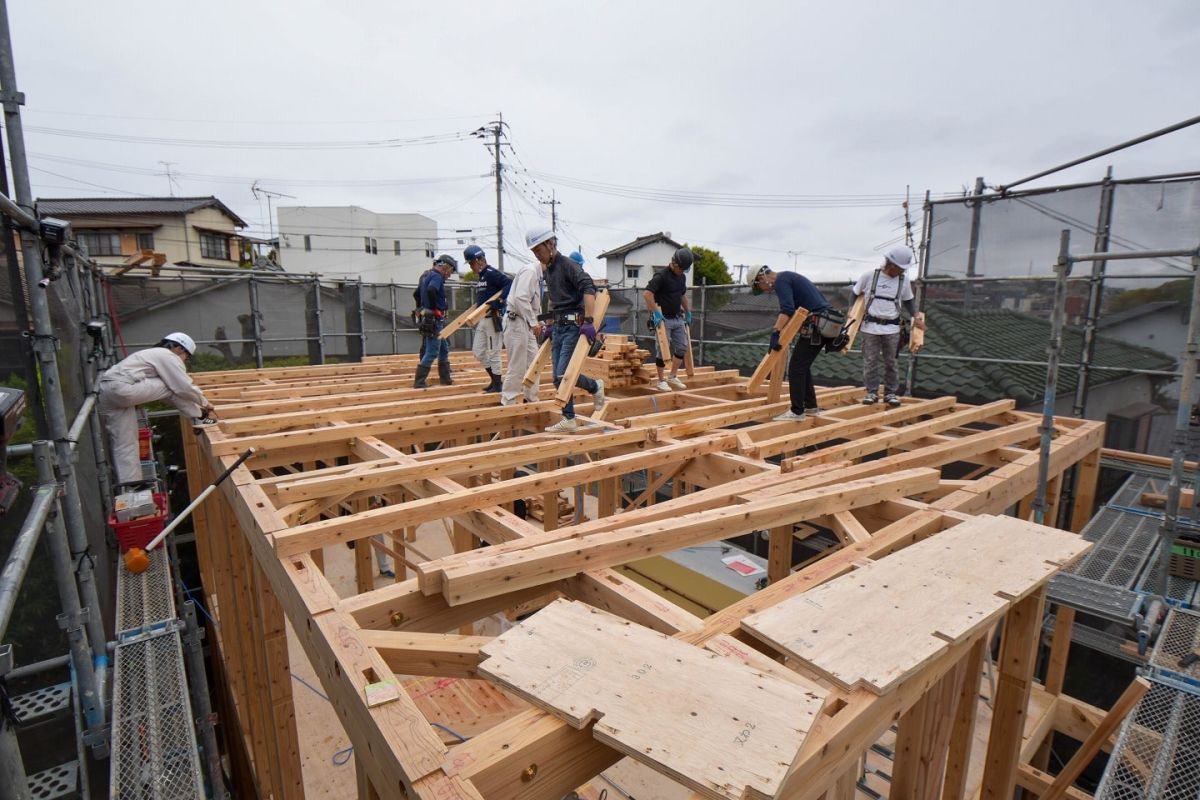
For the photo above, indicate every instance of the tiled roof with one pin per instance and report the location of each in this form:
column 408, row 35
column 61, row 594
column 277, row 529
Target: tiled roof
column 1008, row 336
column 1137, row 312
column 103, row 206
column 641, row 241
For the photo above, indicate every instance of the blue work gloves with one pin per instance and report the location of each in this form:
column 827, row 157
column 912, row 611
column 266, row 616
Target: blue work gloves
column 687, row 317
column 589, row 330
column 656, row 317
column 775, row 345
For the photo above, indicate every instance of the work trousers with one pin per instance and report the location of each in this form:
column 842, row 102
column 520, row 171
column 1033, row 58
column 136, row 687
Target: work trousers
column 566, row 334
column 434, row 348
column 117, row 403
column 486, row 347
column 879, row 355
column 677, row 339
column 522, row 350
column 800, row 380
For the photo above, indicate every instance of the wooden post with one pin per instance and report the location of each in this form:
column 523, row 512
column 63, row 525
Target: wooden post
column 1064, row 622
column 471, row 316
column 923, row 739
column 1087, row 475
column 854, row 317
column 567, row 387
column 1018, row 655
column 773, row 357
column 963, row 733
column 779, row 553
column 688, row 363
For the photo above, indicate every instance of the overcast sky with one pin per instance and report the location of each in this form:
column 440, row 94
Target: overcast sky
column 839, row 105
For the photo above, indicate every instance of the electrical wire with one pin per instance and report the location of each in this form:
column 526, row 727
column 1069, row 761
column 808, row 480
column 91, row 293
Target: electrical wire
column 247, row 144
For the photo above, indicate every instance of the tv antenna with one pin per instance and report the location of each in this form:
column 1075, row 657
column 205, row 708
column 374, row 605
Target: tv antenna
column 257, row 190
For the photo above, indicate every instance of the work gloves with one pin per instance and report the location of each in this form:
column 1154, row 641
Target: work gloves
column 687, row 317
column 656, row 317
column 775, row 345
column 589, row 330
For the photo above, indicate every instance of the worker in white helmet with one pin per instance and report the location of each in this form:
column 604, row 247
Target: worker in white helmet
column 888, row 293
column 157, row 373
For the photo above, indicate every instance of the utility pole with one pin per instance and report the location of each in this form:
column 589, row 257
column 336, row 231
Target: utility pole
column 553, row 203
column 496, row 132
column 976, row 211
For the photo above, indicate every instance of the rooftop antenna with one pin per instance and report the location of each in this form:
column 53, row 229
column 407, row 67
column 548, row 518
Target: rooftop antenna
column 171, row 182
column 257, row 190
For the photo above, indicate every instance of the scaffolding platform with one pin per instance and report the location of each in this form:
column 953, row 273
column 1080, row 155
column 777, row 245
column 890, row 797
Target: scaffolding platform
column 1157, row 754
column 1112, row 580
column 154, row 750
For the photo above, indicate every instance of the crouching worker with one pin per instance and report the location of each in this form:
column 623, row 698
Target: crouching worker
column 157, row 373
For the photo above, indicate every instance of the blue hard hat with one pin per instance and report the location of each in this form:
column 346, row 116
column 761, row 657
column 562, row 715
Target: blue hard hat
column 577, row 257
column 472, row 252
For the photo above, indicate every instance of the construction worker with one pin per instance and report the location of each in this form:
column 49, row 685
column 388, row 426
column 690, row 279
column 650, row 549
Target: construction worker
column 887, row 293
column 793, row 291
column 572, row 302
column 667, row 301
column 488, row 332
column 522, row 331
column 156, row 373
column 431, row 294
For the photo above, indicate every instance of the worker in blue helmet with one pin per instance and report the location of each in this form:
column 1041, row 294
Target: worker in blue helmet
column 577, row 257
column 488, row 333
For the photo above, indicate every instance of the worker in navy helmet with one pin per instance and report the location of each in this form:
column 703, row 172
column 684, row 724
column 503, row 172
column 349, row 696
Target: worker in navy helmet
column 488, row 333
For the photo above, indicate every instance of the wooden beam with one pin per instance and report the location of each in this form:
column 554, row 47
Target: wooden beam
column 438, row 654
column 470, row 317
column 773, row 357
column 923, row 738
column 962, row 735
column 567, row 387
column 1064, row 622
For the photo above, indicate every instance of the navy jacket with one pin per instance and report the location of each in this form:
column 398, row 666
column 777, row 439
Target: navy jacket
column 432, row 290
column 492, row 280
column 796, row 291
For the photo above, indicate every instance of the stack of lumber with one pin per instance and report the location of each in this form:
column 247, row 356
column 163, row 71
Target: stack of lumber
column 618, row 364
column 537, row 510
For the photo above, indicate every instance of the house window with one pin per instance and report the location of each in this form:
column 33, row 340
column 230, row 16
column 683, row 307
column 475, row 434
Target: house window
column 374, row 248
column 100, row 244
column 370, row 246
column 307, row 243
column 631, row 274
column 395, row 248
column 214, row 246
column 145, row 241
column 429, row 250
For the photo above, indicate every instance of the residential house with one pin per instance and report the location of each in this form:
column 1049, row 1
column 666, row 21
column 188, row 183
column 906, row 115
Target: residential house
column 1162, row 325
column 634, row 263
column 187, row 230
column 355, row 241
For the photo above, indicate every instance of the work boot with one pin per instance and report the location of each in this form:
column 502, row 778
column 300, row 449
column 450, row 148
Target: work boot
column 871, row 399
column 421, row 374
column 494, row 386
column 892, row 401
column 444, row 373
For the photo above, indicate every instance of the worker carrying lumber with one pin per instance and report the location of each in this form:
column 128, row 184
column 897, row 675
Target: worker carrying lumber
column 819, row 330
column 431, row 316
column 666, row 297
column 887, row 292
column 156, row 373
column 522, row 332
column 572, row 302
column 486, row 348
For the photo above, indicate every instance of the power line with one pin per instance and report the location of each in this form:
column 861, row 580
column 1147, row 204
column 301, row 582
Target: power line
column 442, row 138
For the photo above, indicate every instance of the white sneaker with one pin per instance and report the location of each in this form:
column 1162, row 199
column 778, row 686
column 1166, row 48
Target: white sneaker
column 598, row 396
column 564, row 425
column 892, row 401
column 662, row 386
column 675, row 383
column 789, row 416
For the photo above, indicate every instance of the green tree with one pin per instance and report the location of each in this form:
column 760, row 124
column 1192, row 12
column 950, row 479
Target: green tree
column 711, row 269
column 1179, row 290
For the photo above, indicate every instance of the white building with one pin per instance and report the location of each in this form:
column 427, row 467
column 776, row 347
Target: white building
column 636, row 262
column 349, row 240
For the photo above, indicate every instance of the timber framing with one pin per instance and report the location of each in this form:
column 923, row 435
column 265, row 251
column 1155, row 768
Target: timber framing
column 345, row 453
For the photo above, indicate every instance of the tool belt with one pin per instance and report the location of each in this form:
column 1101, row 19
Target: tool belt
column 882, row 320
column 426, row 322
column 825, row 324
column 562, row 317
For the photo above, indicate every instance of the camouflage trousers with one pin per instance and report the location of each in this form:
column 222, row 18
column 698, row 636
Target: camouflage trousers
column 879, row 355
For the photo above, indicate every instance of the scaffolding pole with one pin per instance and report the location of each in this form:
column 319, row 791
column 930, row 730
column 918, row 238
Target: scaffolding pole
column 45, row 350
column 1062, row 268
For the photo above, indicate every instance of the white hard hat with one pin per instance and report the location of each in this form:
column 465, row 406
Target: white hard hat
column 539, row 235
column 901, row 255
column 183, row 340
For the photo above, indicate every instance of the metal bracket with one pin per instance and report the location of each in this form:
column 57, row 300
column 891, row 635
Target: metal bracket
column 12, row 101
column 68, row 621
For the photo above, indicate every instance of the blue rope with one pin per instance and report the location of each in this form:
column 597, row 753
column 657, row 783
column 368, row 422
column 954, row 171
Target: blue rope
column 198, row 605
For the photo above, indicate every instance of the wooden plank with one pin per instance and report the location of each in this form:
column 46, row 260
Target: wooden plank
column 1091, row 746
column 539, row 363
column 483, row 574
column 689, row 363
column 470, row 317
column 773, row 357
column 1056, row 670
column 735, row 730
column 854, row 320
column 567, row 387
column 962, row 735
column 439, row 654
column 881, row 623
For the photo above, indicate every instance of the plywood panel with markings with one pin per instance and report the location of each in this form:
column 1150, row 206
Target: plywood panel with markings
column 718, row 726
column 882, row 622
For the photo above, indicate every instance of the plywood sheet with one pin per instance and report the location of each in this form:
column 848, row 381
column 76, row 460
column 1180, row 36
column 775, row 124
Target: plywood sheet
column 877, row 625
column 720, row 727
